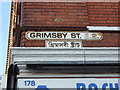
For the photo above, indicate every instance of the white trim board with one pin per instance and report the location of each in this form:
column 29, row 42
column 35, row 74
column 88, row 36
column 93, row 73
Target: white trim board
column 64, row 56
column 103, row 28
column 66, row 75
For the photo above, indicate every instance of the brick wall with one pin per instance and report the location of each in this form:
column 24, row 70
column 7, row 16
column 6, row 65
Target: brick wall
column 68, row 14
column 55, row 14
column 109, row 40
column 103, row 13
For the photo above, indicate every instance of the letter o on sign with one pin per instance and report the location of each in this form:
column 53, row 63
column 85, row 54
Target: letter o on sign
column 93, row 86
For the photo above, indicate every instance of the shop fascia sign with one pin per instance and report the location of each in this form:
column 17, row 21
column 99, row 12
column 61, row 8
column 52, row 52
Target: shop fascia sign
column 31, row 35
column 71, row 83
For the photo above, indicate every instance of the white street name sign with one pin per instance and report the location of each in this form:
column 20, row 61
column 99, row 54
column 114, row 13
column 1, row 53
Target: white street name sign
column 64, row 35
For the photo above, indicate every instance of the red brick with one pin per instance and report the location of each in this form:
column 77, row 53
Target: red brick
column 109, row 40
column 104, row 12
column 39, row 14
column 77, row 14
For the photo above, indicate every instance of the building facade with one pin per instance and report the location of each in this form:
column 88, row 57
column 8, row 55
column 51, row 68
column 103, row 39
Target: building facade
column 64, row 40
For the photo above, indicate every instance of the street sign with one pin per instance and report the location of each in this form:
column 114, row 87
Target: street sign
column 69, row 83
column 63, row 35
column 63, row 44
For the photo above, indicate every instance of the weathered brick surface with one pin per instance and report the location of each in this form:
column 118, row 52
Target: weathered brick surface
column 69, row 14
column 72, row 14
column 103, row 13
column 46, row 14
column 109, row 40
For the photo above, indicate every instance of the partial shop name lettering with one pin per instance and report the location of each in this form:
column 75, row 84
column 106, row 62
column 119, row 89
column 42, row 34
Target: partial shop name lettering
column 64, row 35
column 93, row 86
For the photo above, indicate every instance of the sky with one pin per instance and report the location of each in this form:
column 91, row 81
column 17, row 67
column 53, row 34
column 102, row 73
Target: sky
column 4, row 31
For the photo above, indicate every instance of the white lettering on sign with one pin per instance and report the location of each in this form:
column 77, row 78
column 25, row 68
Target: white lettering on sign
column 63, row 44
column 64, row 35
